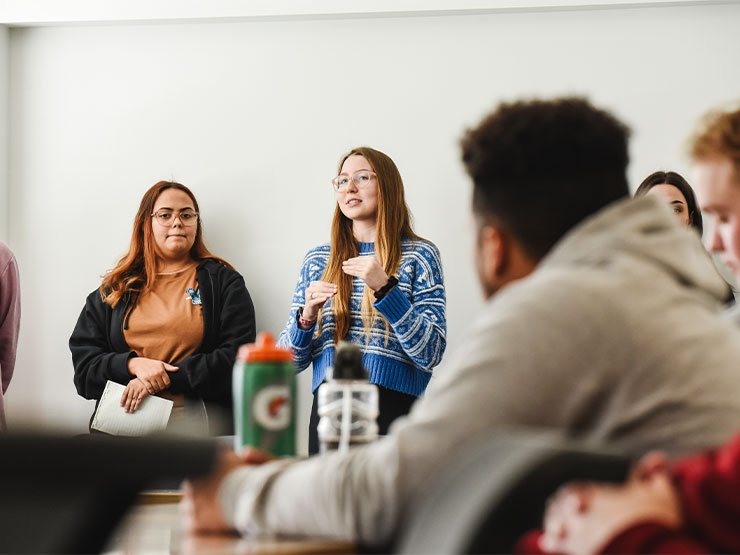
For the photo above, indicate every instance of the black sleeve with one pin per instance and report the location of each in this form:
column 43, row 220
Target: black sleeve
column 94, row 359
column 208, row 374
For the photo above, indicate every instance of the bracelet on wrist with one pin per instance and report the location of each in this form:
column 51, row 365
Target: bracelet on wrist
column 383, row 291
column 303, row 321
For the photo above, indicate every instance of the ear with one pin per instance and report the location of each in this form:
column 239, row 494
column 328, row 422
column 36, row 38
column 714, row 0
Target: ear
column 493, row 253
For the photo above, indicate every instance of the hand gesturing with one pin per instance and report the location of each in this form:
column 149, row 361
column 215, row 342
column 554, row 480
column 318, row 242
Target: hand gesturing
column 368, row 269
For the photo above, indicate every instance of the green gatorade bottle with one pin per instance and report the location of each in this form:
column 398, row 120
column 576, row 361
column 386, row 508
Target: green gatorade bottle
column 264, row 382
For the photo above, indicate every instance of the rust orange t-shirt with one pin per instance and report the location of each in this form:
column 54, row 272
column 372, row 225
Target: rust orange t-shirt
column 167, row 322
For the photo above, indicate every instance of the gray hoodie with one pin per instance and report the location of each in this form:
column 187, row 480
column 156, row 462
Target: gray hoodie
column 616, row 337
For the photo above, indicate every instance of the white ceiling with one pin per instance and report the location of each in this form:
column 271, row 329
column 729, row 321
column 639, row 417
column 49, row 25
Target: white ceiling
column 21, row 13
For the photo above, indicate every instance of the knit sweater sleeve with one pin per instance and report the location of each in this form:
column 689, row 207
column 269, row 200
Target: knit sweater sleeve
column 292, row 336
column 415, row 308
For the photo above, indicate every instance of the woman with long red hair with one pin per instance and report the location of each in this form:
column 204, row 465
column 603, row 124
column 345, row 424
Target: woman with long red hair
column 376, row 284
column 168, row 319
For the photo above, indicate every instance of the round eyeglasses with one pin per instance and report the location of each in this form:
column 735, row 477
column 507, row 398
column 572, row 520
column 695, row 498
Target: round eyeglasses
column 361, row 179
column 167, row 217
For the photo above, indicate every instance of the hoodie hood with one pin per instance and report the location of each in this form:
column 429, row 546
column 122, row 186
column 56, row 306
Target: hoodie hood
column 645, row 231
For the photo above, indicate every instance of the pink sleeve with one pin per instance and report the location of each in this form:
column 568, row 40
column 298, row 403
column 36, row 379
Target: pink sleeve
column 10, row 313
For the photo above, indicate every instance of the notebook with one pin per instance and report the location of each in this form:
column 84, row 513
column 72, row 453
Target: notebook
column 110, row 417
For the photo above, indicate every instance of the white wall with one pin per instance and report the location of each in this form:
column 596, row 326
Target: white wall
column 254, row 115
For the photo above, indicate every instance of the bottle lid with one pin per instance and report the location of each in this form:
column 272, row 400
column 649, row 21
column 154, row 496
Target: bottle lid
column 348, row 363
column 264, row 350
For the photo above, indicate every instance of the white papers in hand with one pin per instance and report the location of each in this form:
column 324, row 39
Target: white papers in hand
column 111, row 418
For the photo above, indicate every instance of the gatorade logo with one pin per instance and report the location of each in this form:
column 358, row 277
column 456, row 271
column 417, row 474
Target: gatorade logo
column 271, row 407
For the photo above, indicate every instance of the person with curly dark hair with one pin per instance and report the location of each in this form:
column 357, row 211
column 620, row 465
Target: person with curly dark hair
column 591, row 298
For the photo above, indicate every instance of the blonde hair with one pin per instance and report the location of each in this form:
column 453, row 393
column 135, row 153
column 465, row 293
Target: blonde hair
column 718, row 134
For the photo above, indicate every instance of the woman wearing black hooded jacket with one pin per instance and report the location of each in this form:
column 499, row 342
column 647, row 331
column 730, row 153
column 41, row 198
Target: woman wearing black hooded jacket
column 168, row 319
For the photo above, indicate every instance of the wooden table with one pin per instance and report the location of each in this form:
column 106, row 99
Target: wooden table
column 154, row 526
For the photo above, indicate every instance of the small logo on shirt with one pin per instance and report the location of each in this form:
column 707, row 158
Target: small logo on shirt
column 194, row 295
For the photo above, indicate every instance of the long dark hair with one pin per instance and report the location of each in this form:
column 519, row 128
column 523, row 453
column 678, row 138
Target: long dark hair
column 675, row 179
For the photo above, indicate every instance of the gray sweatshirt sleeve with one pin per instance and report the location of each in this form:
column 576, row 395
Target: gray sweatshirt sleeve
column 361, row 495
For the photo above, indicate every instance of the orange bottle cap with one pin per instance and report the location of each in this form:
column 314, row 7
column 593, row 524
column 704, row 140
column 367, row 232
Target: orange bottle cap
column 264, row 350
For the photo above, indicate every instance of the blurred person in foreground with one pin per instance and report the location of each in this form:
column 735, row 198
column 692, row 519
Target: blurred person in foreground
column 601, row 311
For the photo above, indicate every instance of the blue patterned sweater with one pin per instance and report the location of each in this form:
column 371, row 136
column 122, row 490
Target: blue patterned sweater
column 415, row 310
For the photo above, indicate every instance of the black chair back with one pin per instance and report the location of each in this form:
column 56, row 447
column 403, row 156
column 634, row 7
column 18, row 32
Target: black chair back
column 497, row 491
